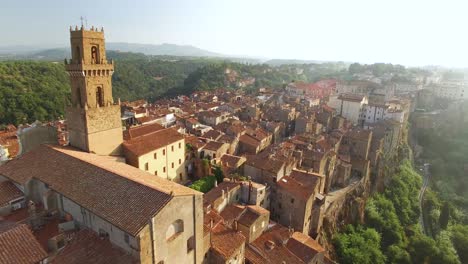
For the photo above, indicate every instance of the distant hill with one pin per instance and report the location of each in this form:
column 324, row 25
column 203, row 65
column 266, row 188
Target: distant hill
column 162, row 49
column 36, row 53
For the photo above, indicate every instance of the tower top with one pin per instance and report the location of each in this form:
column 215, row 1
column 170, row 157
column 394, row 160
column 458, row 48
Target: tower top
column 81, row 29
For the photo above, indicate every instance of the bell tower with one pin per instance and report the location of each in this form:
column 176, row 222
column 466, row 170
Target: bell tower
column 93, row 119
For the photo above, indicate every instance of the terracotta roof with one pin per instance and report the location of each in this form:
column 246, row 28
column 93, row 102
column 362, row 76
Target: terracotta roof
column 351, row 97
column 213, row 145
column 216, row 192
column 150, row 142
column 232, row 161
column 249, row 140
column 300, row 184
column 8, row 192
column 212, row 134
column 232, row 212
column 18, row 245
column 226, row 241
column 271, row 165
column 87, row 247
column 270, row 248
column 139, row 131
column 248, row 218
column 98, row 183
column 304, row 246
column 9, row 140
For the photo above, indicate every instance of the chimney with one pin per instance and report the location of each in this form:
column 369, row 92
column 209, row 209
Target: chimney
column 235, row 225
column 222, row 193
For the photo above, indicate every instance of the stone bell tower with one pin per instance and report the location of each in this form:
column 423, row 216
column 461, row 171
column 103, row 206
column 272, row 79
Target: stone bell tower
column 93, row 119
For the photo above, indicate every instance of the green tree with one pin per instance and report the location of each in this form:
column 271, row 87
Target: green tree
column 421, row 248
column 459, row 237
column 358, row 245
column 218, row 173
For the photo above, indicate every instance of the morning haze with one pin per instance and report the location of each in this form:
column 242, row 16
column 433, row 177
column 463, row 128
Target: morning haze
column 402, row 32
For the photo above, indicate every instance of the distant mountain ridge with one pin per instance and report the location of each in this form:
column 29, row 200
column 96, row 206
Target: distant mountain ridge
column 35, row 53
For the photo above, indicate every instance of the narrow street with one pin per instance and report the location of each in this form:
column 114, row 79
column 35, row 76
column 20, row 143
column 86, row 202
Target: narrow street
column 426, row 177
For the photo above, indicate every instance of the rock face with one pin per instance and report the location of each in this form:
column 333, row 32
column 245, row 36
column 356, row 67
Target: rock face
column 342, row 207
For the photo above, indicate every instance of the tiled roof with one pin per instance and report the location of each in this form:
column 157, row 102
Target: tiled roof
column 273, row 166
column 249, row 140
column 351, row 97
column 87, row 247
column 304, row 246
column 8, row 192
column 18, row 245
column 226, row 241
column 232, row 212
column 139, row 131
column 212, row 134
column 150, row 142
column 216, row 192
column 300, row 184
column 271, row 248
column 125, row 196
column 248, row 218
column 232, row 161
column 213, row 145
column 9, row 140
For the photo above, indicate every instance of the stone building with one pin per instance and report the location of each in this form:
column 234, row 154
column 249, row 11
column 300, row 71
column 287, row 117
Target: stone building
column 161, row 153
column 93, row 119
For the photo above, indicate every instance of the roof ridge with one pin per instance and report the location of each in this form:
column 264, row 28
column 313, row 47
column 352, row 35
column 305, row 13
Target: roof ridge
column 155, row 185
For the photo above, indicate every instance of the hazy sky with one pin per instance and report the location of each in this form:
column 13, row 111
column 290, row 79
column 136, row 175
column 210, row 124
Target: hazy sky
column 410, row 32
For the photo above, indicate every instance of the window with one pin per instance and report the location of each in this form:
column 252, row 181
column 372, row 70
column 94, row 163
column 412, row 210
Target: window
column 99, row 96
column 180, row 176
column 156, row 173
column 237, row 197
column 174, row 229
column 279, row 205
column 126, row 238
column 155, row 155
column 180, row 145
column 190, row 244
column 214, row 155
column 164, row 152
column 172, row 148
column 180, row 161
column 164, row 169
column 78, row 54
column 292, row 200
column 146, row 166
column 94, row 55
column 172, row 165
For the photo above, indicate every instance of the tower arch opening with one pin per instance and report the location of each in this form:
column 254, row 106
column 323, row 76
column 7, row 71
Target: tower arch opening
column 94, row 55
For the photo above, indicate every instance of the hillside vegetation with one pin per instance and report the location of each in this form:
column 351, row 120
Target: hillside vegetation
column 40, row 90
column 392, row 232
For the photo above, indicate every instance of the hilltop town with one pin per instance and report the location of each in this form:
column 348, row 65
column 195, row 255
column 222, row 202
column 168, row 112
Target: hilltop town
column 219, row 176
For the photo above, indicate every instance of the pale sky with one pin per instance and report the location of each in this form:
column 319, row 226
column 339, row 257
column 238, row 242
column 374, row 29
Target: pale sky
column 409, row 32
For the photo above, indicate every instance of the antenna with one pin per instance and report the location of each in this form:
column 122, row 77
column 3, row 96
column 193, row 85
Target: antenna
column 81, row 18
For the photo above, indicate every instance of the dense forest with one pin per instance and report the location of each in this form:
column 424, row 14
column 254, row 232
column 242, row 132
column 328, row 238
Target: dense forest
column 391, row 232
column 31, row 91
column 40, row 90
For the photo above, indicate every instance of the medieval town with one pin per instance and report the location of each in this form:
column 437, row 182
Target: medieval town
column 220, row 176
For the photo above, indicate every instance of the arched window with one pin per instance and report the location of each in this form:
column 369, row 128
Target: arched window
column 77, row 54
column 99, row 96
column 174, row 229
column 94, row 55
